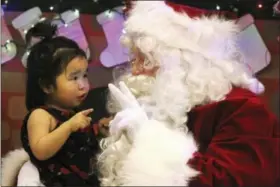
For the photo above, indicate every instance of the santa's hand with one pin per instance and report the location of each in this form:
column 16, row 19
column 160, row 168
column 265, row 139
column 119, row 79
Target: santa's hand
column 132, row 116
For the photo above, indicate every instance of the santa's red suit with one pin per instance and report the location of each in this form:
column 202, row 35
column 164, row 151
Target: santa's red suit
column 238, row 142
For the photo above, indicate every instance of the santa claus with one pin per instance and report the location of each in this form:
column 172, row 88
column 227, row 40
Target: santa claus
column 186, row 115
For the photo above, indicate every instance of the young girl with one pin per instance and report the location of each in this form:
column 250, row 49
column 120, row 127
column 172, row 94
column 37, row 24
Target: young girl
column 53, row 134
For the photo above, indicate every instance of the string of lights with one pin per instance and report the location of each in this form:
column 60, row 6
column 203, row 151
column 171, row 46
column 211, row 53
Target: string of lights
column 74, row 12
column 8, row 42
column 260, row 9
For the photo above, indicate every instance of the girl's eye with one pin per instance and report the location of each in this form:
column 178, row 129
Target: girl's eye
column 75, row 78
column 85, row 75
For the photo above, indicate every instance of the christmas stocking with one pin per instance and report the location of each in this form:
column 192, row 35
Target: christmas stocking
column 24, row 22
column 8, row 49
column 254, row 50
column 72, row 29
column 112, row 24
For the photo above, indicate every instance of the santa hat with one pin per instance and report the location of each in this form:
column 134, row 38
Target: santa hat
column 212, row 37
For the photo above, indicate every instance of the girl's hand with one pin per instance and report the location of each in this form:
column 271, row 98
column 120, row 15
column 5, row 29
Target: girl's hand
column 103, row 126
column 80, row 120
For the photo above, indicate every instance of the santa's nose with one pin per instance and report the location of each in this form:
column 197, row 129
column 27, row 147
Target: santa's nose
column 136, row 69
column 136, row 72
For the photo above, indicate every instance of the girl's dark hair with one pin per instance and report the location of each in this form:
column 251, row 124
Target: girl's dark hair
column 47, row 59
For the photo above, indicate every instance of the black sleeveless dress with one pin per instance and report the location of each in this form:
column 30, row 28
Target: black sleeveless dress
column 74, row 164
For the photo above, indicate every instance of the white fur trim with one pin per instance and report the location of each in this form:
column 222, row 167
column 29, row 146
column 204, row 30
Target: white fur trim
column 29, row 175
column 11, row 165
column 158, row 157
column 209, row 36
column 256, row 86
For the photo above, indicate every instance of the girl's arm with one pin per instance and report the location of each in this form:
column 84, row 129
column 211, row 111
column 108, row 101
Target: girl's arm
column 44, row 144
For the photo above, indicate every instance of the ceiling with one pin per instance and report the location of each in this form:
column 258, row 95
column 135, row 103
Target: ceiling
column 93, row 7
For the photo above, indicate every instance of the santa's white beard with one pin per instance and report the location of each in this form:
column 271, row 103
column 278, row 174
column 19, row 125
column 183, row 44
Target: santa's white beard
column 139, row 85
column 173, row 93
column 164, row 98
column 152, row 94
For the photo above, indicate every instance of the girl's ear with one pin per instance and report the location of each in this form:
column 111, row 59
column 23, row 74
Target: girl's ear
column 46, row 89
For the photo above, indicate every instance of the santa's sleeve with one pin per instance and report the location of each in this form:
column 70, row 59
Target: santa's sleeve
column 243, row 152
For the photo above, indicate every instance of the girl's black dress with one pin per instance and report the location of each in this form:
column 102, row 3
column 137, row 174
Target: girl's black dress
column 75, row 163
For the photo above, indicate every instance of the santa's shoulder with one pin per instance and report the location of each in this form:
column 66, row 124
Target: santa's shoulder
column 241, row 101
column 238, row 102
column 239, row 97
column 238, row 93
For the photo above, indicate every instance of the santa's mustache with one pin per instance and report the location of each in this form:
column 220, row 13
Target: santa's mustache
column 139, row 85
